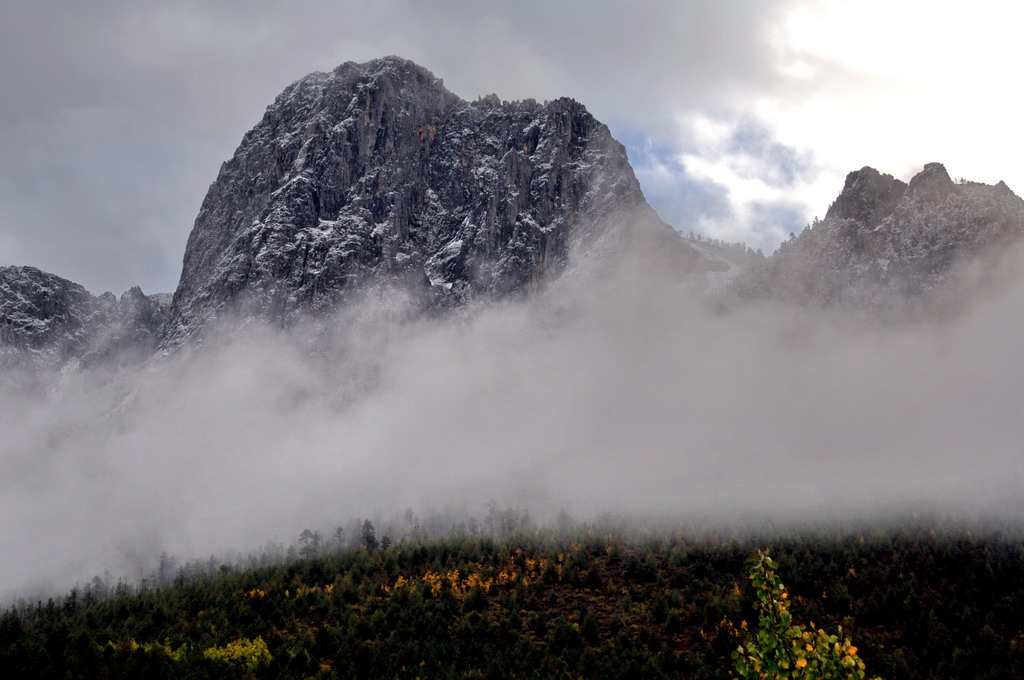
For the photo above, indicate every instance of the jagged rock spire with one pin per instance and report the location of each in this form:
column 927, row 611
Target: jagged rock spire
column 375, row 173
column 867, row 196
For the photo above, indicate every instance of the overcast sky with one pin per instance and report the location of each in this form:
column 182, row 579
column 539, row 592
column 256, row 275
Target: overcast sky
column 741, row 117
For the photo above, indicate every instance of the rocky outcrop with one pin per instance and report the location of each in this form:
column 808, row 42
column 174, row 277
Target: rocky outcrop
column 46, row 321
column 43, row 313
column 890, row 246
column 127, row 328
column 867, row 197
column 376, row 174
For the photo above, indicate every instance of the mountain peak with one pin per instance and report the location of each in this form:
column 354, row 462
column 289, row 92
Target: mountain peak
column 47, row 320
column 895, row 247
column 867, row 196
column 373, row 174
column 931, row 184
column 389, row 65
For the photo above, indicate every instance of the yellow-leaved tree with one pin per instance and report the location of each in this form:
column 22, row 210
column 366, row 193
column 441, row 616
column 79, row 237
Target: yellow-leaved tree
column 244, row 653
column 783, row 649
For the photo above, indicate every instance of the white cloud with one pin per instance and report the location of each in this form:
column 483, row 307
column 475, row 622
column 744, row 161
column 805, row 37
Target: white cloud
column 875, row 83
column 895, row 86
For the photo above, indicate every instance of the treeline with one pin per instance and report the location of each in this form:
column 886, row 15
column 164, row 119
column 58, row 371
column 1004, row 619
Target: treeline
column 918, row 603
column 737, row 253
column 166, row 569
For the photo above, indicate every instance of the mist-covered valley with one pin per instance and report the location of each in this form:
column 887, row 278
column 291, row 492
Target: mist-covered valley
column 621, row 388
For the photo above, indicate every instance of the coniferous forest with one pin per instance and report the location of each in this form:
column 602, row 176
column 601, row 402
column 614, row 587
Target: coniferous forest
column 922, row 602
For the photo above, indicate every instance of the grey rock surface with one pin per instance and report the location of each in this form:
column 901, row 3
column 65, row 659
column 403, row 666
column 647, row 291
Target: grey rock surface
column 43, row 313
column 894, row 247
column 376, row 174
column 867, row 197
column 46, row 320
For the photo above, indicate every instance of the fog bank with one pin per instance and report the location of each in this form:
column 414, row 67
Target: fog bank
column 615, row 390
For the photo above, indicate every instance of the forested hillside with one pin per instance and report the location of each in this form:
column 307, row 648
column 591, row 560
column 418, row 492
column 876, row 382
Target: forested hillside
column 917, row 604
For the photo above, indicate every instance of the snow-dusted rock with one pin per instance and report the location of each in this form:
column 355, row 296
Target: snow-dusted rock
column 376, row 174
column 46, row 320
column 894, row 247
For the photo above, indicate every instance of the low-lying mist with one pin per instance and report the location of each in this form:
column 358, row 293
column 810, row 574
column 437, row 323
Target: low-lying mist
column 616, row 390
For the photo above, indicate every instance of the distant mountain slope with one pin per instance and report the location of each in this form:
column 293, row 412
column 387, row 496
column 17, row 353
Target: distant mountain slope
column 46, row 320
column 375, row 173
column 890, row 246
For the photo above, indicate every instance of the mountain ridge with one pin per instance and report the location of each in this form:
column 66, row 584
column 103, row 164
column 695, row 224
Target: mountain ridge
column 892, row 247
column 375, row 174
column 47, row 320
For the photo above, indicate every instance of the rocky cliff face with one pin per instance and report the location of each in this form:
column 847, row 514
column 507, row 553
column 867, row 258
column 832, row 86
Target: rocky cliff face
column 42, row 313
column 890, row 246
column 867, row 197
column 375, row 173
column 46, row 321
